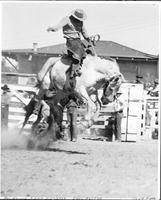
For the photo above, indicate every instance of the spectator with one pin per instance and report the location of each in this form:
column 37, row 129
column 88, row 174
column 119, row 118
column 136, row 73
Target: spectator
column 5, row 101
column 154, row 91
column 118, row 115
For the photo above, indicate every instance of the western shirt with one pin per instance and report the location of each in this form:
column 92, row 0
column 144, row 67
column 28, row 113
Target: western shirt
column 69, row 30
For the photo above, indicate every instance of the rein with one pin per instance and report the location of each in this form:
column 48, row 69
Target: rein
column 58, row 104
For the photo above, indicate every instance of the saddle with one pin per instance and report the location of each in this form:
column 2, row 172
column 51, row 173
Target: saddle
column 67, row 59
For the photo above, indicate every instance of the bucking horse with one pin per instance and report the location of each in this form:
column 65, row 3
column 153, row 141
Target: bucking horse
column 98, row 74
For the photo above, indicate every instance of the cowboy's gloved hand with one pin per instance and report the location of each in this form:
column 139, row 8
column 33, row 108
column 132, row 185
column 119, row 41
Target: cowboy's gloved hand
column 51, row 29
column 89, row 42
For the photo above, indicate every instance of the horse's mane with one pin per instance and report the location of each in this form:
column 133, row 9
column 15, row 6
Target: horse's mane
column 100, row 82
column 107, row 66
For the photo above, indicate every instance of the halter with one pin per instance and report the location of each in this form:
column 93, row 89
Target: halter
column 116, row 78
column 112, row 86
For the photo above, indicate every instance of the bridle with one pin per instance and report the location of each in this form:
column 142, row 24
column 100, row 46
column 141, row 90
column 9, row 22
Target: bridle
column 112, row 84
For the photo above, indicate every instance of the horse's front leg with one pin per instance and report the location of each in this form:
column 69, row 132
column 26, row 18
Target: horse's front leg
column 99, row 103
column 90, row 104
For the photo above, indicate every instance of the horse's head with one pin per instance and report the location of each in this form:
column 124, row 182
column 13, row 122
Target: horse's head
column 110, row 89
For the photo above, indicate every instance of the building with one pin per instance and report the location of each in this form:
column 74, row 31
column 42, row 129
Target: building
column 132, row 62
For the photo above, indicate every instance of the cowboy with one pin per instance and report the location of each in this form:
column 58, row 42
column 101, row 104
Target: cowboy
column 73, row 28
column 118, row 115
column 156, row 87
column 5, row 101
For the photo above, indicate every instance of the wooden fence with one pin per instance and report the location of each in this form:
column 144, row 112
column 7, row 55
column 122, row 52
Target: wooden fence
column 133, row 123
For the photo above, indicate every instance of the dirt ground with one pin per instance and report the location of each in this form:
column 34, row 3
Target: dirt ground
column 82, row 169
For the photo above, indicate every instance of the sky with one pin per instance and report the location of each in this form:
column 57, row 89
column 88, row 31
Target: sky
column 135, row 25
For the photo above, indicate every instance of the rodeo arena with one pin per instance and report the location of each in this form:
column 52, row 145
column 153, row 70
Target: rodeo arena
column 59, row 143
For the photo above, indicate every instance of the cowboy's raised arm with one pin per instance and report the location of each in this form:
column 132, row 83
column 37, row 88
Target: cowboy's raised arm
column 62, row 23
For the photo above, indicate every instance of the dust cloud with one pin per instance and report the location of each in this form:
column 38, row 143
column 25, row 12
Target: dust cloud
column 12, row 139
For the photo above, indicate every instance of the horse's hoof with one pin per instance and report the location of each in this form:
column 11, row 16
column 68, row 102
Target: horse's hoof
column 78, row 72
column 30, row 144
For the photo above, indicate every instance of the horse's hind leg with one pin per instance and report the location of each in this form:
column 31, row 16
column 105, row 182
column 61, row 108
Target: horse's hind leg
column 46, row 67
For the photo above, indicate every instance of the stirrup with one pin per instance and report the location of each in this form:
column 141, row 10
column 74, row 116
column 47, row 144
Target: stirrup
column 76, row 72
column 36, row 112
column 79, row 73
column 72, row 74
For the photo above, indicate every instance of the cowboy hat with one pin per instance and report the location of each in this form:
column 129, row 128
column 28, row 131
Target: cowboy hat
column 79, row 14
column 5, row 87
column 137, row 76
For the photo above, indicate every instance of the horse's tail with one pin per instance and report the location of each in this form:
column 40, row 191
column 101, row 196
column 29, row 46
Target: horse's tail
column 47, row 67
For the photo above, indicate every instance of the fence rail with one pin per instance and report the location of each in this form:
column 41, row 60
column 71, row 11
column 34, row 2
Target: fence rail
column 18, row 74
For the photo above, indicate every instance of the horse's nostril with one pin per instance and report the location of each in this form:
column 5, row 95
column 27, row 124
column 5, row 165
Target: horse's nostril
column 117, row 79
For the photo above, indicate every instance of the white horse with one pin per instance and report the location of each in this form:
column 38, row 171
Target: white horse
column 97, row 74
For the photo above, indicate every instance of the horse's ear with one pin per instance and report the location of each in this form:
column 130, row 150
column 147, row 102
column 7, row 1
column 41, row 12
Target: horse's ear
column 123, row 79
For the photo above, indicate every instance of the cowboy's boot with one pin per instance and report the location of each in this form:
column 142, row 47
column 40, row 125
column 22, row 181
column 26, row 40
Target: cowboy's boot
column 76, row 70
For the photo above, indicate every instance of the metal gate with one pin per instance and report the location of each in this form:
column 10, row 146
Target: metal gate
column 133, row 123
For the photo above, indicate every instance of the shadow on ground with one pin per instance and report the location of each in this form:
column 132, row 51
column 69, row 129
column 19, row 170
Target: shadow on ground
column 64, row 151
